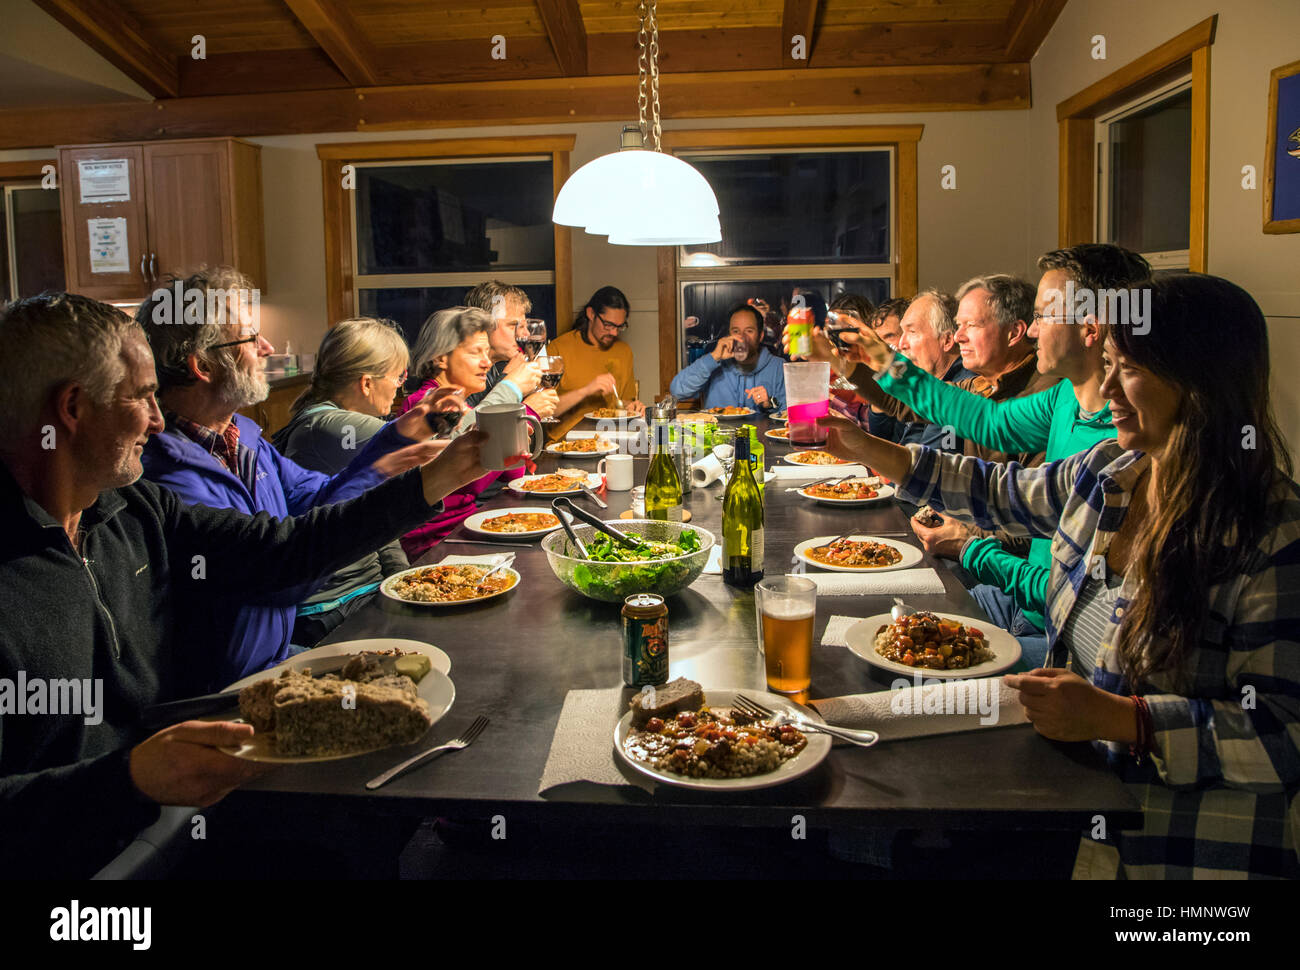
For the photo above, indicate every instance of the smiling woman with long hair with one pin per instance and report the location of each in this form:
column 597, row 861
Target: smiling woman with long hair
column 1175, row 585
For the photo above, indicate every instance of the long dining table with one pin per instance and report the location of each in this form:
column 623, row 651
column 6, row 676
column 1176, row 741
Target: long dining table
column 515, row 657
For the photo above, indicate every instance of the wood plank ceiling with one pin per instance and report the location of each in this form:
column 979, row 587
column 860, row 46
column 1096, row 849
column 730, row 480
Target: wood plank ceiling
column 262, row 47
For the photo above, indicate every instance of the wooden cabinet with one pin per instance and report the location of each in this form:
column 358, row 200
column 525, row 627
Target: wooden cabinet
column 191, row 203
column 273, row 413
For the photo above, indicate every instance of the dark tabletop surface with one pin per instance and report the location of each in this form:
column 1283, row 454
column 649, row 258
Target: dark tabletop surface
column 515, row 658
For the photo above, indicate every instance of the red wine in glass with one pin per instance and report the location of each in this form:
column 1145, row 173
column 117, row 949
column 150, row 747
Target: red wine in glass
column 552, row 380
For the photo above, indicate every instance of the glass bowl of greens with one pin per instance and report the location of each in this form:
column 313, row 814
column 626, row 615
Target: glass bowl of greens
column 675, row 557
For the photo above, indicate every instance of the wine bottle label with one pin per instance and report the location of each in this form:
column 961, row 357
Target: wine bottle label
column 756, row 545
column 675, row 514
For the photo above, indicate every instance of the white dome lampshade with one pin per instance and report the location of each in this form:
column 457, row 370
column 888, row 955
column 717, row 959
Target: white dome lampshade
column 640, row 198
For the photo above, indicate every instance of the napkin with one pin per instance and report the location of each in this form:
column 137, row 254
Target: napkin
column 917, row 582
column 937, row 707
column 491, row 559
column 582, row 748
column 837, row 629
column 810, row 473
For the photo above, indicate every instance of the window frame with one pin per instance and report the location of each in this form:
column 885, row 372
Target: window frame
column 342, row 282
column 899, row 140
column 1076, row 117
column 22, row 174
column 1173, row 259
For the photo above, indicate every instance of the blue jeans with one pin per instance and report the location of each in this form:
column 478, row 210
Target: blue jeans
column 1003, row 611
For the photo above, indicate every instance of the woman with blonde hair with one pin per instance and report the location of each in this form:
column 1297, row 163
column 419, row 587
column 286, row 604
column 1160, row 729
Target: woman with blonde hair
column 359, row 367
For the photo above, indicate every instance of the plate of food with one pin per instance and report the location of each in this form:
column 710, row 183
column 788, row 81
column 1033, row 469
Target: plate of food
column 856, row 554
column 778, row 434
column 378, row 699
column 937, row 645
column 566, row 481
column 730, row 413
column 448, row 584
column 814, row 458
column 583, row 447
column 521, row 523
column 780, row 416
column 604, row 414
column 850, row 492
column 697, row 417
column 682, row 735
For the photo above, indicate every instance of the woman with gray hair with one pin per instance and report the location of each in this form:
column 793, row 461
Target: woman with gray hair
column 452, row 350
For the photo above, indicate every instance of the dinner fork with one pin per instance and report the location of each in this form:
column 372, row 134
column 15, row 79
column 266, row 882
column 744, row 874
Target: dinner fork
column 863, row 739
column 464, row 741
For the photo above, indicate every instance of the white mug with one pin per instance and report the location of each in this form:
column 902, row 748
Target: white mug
column 506, row 426
column 617, row 470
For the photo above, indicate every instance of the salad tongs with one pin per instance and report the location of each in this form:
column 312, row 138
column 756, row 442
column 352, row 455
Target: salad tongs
column 562, row 505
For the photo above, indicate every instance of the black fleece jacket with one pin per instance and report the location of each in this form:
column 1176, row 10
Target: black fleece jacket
column 117, row 613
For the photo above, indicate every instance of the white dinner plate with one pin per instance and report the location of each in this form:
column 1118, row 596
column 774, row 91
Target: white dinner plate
column 818, row 747
column 861, row 637
column 793, row 459
column 911, row 554
column 387, row 588
column 609, row 449
column 623, row 415
column 780, row 416
column 778, row 434
column 884, row 492
column 475, row 523
column 696, row 417
column 749, row 413
column 517, row 485
column 435, row 687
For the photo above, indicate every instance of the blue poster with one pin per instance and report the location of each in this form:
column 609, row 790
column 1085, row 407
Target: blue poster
column 1286, row 154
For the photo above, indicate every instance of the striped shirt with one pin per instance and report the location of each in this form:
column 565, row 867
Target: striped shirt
column 1219, row 794
column 1085, row 629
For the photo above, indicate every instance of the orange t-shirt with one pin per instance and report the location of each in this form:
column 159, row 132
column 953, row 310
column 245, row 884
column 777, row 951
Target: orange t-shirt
column 583, row 362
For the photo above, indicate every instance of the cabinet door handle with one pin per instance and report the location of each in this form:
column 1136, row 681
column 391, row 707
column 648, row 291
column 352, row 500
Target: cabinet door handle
column 153, row 267
column 144, row 273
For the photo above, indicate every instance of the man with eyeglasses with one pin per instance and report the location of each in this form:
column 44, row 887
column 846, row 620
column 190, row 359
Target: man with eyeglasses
column 1068, row 417
column 598, row 366
column 208, row 367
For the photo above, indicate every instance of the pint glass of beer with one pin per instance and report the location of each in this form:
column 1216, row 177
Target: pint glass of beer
column 786, row 606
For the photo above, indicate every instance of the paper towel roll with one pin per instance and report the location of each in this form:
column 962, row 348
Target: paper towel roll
column 706, row 471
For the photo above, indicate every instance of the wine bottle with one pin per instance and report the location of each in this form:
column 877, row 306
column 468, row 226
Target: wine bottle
column 663, row 486
column 742, row 522
column 756, row 452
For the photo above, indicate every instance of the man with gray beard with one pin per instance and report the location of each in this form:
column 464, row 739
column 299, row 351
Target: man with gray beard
column 207, row 349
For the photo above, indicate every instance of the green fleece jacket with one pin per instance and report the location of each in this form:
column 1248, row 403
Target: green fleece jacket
column 1048, row 421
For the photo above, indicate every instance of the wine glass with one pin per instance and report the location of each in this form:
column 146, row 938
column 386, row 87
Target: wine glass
column 536, row 337
column 838, row 324
column 552, row 373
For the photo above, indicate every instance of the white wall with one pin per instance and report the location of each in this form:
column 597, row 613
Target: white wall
column 1253, row 38
column 978, row 227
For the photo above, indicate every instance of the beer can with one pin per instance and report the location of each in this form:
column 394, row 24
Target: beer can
column 645, row 640
column 799, row 322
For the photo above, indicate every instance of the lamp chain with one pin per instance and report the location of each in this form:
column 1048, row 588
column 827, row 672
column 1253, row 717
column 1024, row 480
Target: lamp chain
column 654, row 75
column 643, row 73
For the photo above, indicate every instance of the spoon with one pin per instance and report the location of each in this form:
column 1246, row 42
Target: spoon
column 497, row 568
column 900, row 610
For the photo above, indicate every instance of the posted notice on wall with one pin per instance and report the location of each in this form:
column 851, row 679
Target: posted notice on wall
column 105, row 180
column 108, row 251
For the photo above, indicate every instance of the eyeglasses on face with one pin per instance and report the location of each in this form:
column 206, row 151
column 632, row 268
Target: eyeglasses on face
column 616, row 327
column 250, row 339
column 1039, row 315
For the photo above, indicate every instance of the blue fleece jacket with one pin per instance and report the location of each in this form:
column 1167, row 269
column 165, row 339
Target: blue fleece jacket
column 256, row 635
column 721, row 384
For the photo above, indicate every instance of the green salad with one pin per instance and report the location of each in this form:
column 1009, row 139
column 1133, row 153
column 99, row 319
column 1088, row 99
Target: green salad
column 654, row 566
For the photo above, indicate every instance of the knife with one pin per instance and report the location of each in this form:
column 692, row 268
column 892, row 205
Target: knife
column 158, row 716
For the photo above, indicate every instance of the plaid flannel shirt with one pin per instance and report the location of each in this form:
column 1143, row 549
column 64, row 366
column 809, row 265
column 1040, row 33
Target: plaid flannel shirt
column 1219, row 794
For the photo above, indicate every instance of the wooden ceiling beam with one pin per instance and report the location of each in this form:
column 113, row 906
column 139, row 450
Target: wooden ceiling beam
column 945, row 87
column 1028, row 25
column 339, row 36
column 567, row 33
column 797, row 19
column 115, row 35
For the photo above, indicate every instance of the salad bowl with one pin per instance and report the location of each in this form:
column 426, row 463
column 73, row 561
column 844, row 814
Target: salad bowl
column 614, row 579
